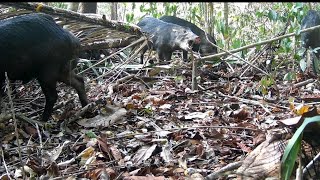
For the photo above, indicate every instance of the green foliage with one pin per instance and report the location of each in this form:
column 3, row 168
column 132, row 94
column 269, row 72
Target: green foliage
column 130, row 17
column 152, row 9
column 265, row 84
column 194, row 11
column 58, row 5
column 170, row 9
column 286, row 46
column 147, row 111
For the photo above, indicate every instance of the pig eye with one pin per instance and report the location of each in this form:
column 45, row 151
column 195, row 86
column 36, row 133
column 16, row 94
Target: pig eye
column 184, row 31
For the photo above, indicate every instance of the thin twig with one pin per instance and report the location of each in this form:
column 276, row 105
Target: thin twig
column 132, row 44
column 14, row 120
column 183, row 128
column 128, row 60
column 4, row 163
column 194, row 86
column 82, row 112
column 249, row 101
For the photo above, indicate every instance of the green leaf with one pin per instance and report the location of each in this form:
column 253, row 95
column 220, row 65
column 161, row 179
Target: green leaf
column 316, row 64
column 236, row 44
column 293, row 148
column 298, row 5
column 272, row 15
column 303, row 65
column 90, row 134
column 259, row 14
column 289, row 76
column 142, row 9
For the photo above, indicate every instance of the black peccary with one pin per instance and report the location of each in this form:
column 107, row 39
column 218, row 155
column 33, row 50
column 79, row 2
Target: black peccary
column 167, row 37
column 311, row 38
column 33, row 46
column 204, row 47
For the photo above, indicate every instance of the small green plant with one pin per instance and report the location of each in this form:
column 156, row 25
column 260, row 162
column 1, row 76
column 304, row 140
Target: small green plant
column 265, row 84
column 90, row 134
column 147, row 111
column 130, row 17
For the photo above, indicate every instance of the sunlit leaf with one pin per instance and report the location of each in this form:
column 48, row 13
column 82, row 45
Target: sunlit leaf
column 301, row 109
column 303, row 65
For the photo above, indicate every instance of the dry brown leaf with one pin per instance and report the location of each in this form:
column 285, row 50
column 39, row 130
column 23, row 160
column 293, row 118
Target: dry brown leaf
column 166, row 154
column 259, row 138
column 31, row 131
column 105, row 148
column 143, row 154
column 301, row 109
column 115, row 153
column 241, row 114
column 199, row 150
column 87, row 153
column 96, row 174
column 244, row 147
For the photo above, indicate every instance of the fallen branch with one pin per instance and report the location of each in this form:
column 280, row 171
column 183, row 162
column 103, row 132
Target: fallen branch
column 115, row 85
column 303, row 83
column 5, row 117
column 248, row 101
column 229, row 167
column 39, row 7
column 256, row 44
column 81, row 112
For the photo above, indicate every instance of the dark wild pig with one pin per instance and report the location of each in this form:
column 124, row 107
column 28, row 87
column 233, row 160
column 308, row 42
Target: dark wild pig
column 33, row 46
column 167, row 37
column 205, row 48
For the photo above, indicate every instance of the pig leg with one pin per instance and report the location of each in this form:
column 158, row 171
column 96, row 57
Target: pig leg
column 185, row 55
column 77, row 82
column 49, row 90
column 164, row 55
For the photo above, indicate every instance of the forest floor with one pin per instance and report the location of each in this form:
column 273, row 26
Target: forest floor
column 152, row 126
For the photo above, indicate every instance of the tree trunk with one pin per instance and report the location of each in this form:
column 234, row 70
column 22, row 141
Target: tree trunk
column 203, row 13
column 88, row 7
column 114, row 11
column 310, row 6
column 210, row 19
column 73, row 6
column 226, row 12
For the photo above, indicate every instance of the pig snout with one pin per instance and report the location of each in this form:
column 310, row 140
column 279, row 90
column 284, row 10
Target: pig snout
column 195, row 40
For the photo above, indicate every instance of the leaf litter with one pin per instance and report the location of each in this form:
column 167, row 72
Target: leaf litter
column 162, row 130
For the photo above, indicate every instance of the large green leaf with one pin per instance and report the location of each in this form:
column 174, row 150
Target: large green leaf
column 293, row 148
